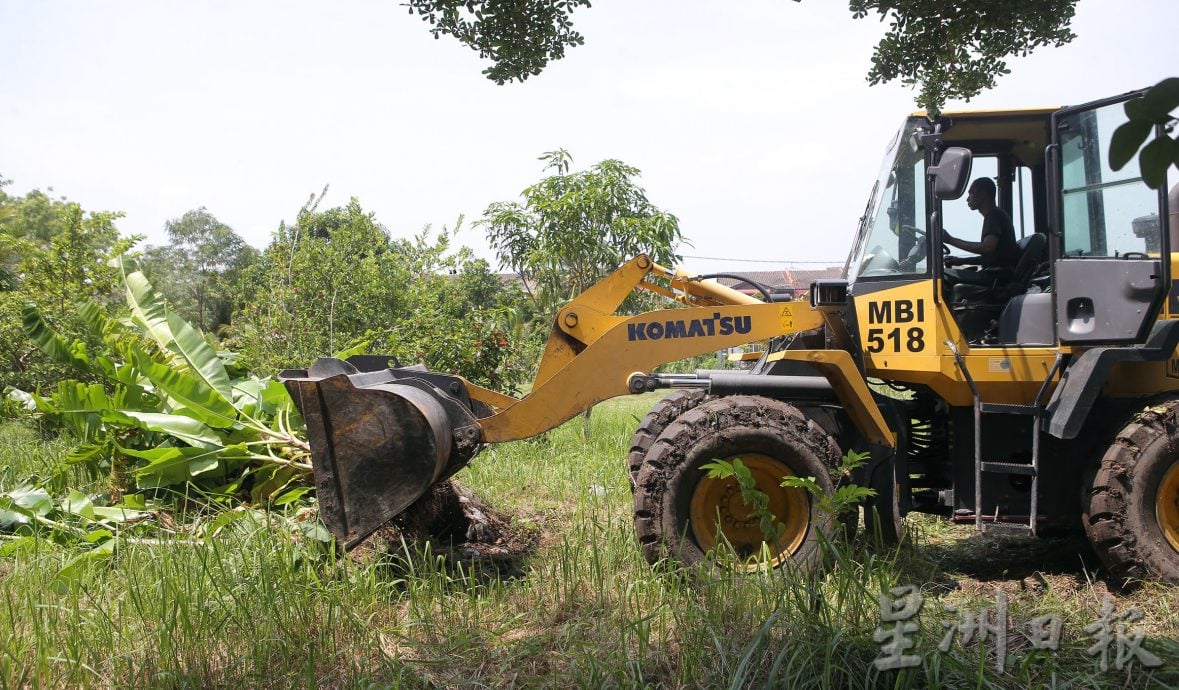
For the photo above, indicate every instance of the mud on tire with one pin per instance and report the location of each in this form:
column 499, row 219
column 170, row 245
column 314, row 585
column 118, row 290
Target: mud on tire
column 771, row 437
column 1131, row 503
column 662, row 414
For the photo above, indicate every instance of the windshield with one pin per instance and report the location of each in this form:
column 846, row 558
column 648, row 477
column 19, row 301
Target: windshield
column 892, row 238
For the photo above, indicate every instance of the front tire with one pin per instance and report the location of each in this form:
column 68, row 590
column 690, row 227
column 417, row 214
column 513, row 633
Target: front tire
column 1131, row 508
column 681, row 514
column 663, row 413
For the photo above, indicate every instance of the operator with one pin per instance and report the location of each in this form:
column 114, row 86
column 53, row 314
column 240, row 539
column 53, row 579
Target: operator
column 996, row 247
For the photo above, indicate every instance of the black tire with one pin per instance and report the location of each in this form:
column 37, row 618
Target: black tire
column 769, row 435
column 882, row 512
column 1131, row 503
column 662, row 414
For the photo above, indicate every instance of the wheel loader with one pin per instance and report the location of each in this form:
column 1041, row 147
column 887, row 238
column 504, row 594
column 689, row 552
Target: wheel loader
column 1030, row 399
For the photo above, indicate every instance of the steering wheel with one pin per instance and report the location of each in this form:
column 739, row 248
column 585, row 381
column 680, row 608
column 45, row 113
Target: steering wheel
column 913, row 230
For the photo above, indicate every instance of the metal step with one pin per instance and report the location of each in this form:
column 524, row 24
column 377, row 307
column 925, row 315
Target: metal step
column 1001, row 408
column 981, row 409
column 1006, row 528
column 1008, row 468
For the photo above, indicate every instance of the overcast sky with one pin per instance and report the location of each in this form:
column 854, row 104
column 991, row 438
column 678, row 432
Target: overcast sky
column 751, row 120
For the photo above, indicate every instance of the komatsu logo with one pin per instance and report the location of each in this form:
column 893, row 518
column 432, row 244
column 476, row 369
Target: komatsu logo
column 689, row 328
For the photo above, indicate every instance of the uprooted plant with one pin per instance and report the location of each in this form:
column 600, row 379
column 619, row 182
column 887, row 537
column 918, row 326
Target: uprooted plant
column 166, row 411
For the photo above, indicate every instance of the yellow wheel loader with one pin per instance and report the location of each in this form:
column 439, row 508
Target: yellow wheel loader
column 1020, row 399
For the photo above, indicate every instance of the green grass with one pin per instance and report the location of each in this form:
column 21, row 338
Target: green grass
column 251, row 607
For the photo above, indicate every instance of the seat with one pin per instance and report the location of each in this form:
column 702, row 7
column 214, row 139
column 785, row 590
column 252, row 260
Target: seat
column 977, row 307
column 1007, row 285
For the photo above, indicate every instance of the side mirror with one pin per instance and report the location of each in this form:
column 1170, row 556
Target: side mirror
column 950, row 174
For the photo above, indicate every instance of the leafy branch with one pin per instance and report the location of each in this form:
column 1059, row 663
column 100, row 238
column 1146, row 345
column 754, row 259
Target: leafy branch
column 1146, row 114
column 846, row 497
column 754, row 498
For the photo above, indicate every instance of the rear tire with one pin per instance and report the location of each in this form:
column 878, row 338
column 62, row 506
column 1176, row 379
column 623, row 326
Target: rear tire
column 663, row 413
column 673, row 495
column 1131, row 505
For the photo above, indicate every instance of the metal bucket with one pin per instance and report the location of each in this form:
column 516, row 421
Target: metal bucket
column 380, row 437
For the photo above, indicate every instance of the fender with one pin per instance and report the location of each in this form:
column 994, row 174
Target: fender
column 1083, row 380
column 849, row 384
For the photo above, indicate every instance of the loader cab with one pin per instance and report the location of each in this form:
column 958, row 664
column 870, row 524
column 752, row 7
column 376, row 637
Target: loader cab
column 1089, row 267
column 899, row 244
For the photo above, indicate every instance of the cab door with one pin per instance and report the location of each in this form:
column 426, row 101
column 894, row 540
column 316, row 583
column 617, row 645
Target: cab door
column 1110, row 246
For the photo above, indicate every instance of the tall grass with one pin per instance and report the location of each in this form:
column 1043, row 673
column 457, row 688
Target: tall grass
column 252, row 607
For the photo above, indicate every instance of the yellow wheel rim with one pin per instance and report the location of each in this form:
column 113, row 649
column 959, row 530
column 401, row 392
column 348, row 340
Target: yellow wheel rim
column 718, row 503
column 1166, row 506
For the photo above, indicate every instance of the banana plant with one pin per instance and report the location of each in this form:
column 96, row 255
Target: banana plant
column 29, row 513
column 172, row 411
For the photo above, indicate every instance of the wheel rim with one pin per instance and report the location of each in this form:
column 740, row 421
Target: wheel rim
column 718, row 502
column 1166, row 506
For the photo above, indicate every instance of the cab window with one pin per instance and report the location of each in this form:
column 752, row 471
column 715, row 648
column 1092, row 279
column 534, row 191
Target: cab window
column 1105, row 213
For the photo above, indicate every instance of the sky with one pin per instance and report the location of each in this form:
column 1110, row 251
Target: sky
column 751, row 121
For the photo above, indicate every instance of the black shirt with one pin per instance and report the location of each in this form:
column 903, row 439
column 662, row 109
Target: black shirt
column 1006, row 254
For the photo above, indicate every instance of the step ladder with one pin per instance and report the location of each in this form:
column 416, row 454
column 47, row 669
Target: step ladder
column 1032, row 469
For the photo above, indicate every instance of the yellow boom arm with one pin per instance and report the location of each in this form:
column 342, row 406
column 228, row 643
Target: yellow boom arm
column 593, row 355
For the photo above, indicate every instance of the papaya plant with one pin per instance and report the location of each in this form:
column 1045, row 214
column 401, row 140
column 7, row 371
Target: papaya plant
column 171, row 412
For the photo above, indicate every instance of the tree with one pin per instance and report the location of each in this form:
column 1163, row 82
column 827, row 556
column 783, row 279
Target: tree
column 958, row 49
column 200, row 268
column 335, row 282
column 52, row 253
column 574, row 228
column 459, row 316
column 319, row 285
column 946, row 49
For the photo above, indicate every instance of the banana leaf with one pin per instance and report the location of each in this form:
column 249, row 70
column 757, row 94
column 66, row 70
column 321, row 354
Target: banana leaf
column 52, row 344
column 149, row 310
column 191, row 394
column 191, row 431
column 176, row 465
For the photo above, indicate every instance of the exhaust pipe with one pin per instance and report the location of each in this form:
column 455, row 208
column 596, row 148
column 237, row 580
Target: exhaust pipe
column 380, row 437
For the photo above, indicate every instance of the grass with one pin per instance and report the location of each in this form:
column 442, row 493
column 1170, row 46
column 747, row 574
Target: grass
column 252, row 607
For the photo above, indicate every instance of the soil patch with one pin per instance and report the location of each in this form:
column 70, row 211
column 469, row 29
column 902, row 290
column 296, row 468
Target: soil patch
column 453, row 522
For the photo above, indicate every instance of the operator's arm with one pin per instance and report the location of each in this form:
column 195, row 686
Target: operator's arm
column 985, row 247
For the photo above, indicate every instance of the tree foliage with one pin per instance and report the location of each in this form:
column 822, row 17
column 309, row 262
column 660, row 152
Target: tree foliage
column 200, row 268
column 946, row 49
column 335, row 281
column 957, row 49
column 460, row 317
column 52, row 253
column 519, row 36
column 320, row 284
column 1146, row 114
column 572, row 229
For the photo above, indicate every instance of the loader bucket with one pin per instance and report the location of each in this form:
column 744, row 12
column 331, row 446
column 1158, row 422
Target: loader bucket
column 380, row 437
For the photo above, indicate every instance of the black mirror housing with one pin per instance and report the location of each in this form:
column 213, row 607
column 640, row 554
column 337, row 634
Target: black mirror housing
column 951, row 173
